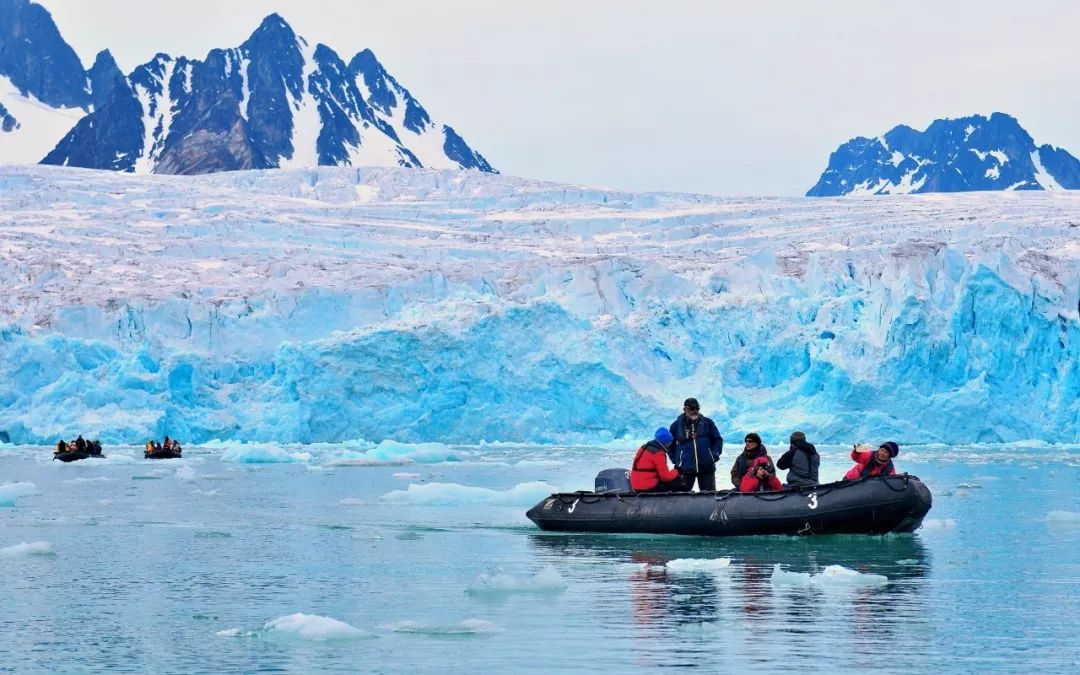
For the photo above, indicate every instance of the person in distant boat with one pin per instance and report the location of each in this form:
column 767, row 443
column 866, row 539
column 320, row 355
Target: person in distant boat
column 697, row 449
column 61, row 446
column 167, row 444
column 157, row 446
column 94, row 448
column 801, row 462
column 873, row 463
column 650, row 471
column 80, row 444
column 760, row 477
column 752, row 449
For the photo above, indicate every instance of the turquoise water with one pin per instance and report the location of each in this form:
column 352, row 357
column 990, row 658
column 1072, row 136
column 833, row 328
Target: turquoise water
column 186, row 565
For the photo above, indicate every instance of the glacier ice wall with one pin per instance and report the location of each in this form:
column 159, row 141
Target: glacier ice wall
column 332, row 304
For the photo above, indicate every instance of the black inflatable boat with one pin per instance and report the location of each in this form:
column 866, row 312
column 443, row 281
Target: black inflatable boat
column 70, row 456
column 161, row 454
column 875, row 505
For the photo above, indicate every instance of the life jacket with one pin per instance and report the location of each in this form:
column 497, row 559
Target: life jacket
column 885, row 469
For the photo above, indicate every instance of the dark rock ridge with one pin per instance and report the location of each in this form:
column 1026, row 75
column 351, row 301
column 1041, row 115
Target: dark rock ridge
column 953, row 155
column 274, row 101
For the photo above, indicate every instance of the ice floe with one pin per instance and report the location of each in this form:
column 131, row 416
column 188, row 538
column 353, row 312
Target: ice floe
column 547, row 580
column 43, row 548
column 9, row 491
column 454, row 494
column 831, row 576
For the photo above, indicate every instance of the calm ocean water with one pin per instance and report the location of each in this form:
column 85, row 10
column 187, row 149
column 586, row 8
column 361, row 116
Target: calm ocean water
column 205, row 565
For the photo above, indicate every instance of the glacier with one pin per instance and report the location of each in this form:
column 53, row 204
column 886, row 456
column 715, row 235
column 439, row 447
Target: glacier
column 414, row 305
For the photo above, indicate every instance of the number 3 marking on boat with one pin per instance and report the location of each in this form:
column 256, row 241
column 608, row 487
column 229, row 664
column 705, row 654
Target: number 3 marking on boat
column 572, row 506
column 813, row 501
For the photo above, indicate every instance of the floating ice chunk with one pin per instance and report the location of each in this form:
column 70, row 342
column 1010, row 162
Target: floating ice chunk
column 547, row 580
column 24, row 549
column 9, row 491
column 969, row 486
column 185, row 473
column 401, row 475
column 454, row 494
column 540, row 464
column 96, row 479
column 319, row 468
column 907, row 561
column 313, row 627
column 1063, row 517
column 236, row 632
column 421, row 453
column 351, row 501
column 939, row 524
column 699, row 565
column 466, row 627
column 831, row 576
column 263, row 455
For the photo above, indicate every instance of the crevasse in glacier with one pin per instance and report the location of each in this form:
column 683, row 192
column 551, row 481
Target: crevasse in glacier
column 331, row 304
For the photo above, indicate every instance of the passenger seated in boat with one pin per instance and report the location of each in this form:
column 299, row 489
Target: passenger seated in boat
column 61, row 447
column 801, row 460
column 650, row 471
column 80, row 444
column 167, row 444
column 94, row 448
column 157, row 446
column 873, row 462
column 760, row 477
column 752, row 449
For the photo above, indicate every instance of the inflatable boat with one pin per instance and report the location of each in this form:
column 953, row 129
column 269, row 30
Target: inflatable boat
column 875, row 505
column 150, row 452
column 70, row 456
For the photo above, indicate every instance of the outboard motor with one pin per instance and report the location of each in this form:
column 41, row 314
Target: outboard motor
column 612, row 480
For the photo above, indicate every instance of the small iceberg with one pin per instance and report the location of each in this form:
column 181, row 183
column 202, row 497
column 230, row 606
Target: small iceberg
column 263, row 455
column 546, row 581
column 711, row 565
column 9, row 491
column 454, row 494
column 303, row 627
column 833, row 576
column 1063, row 517
column 42, row 548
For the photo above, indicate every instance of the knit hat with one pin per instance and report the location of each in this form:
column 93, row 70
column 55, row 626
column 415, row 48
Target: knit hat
column 663, row 436
column 691, row 403
column 798, row 436
column 893, row 448
column 753, row 437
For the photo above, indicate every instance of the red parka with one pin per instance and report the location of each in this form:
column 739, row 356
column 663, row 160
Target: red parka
column 650, row 467
column 750, row 482
column 861, row 460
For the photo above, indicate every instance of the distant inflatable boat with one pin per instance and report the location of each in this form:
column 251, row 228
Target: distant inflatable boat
column 72, row 456
column 875, row 505
column 150, row 452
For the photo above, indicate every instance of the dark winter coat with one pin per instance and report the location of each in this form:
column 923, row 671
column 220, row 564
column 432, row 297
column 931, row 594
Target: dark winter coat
column 701, row 434
column 743, row 461
column 802, row 459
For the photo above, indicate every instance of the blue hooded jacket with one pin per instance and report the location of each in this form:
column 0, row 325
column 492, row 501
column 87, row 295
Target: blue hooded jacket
column 704, row 435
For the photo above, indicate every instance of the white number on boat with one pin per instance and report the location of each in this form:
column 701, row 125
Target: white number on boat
column 573, row 506
column 813, row 500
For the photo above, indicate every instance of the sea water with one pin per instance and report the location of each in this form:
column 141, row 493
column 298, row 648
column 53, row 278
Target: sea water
column 317, row 559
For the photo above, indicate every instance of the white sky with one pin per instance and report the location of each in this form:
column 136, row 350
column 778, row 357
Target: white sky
column 691, row 96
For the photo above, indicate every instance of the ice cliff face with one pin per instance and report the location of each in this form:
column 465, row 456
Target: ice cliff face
column 413, row 305
column 953, row 155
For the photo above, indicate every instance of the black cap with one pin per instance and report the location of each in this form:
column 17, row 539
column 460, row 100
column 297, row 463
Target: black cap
column 691, row 403
column 798, row 436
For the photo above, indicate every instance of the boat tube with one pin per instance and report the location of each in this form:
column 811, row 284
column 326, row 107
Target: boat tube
column 873, row 505
column 70, row 456
column 152, row 453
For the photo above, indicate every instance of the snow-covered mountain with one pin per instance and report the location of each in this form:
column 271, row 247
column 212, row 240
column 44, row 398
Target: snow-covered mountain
column 43, row 88
column 275, row 101
column 952, row 155
column 418, row 305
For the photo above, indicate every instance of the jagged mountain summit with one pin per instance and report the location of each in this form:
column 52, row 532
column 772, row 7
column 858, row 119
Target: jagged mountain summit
column 953, row 155
column 276, row 101
column 43, row 87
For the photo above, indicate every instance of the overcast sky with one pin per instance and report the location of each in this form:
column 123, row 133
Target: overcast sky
column 691, row 96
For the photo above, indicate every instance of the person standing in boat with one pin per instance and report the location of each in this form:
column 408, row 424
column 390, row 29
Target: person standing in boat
column 760, row 477
column 697, row 449
column 873, row 463
column 80, row 444
column 650, row 471
column 752, row 449
column 801, row 462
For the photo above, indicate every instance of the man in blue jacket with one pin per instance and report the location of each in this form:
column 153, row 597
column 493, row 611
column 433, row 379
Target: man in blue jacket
column 697, row 448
